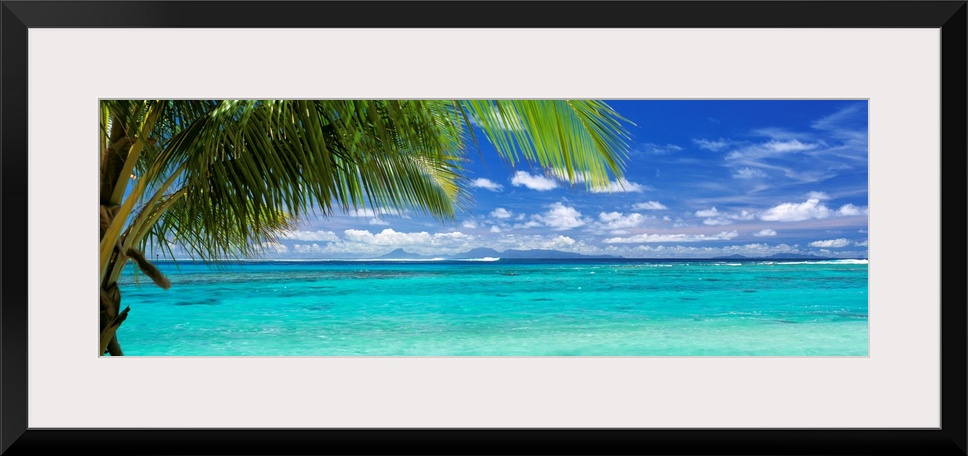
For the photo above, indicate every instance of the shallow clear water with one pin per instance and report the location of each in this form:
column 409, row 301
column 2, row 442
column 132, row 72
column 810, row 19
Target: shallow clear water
column 502, row 308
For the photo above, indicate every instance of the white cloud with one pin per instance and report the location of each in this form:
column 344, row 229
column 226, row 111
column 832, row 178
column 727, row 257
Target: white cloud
column 501, row 213
column 561, row 217
column 658, row 149
column 765, row 232
column 487, row 184
column 561, row 241
column 793, row 212
column 749, row 173
column 743, row 215
column 367, row 212
column 274, row 247
column 363, row 243
column 389, row 237
column 849, row 210
column 693, row 251
column 617, row 220
column 327, row 236
column 540, row 183
column 619, row 186
column 861, row 244
column 376, row 221
column 723, row 218
column 650, row 206
column 469, row 224
column 643, row 238
column 711, row 145
column 837, row 120
column 302, row 248
column 495, row 229
column 707, row 212
column 835, row 243
column 528, row 224
column 716, row 221
column 789, row 146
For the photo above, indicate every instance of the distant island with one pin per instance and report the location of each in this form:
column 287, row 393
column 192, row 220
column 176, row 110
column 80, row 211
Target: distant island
column 533, row 254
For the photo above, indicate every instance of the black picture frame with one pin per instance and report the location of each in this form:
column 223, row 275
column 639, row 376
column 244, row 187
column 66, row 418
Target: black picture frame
column 18, row 16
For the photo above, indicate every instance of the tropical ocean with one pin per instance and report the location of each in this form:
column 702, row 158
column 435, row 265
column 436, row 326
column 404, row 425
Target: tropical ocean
column 619, row 307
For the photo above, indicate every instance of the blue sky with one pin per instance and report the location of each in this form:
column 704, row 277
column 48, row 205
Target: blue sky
column 704, row 179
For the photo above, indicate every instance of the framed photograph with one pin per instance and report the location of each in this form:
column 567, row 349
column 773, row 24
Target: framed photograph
column 740, row 110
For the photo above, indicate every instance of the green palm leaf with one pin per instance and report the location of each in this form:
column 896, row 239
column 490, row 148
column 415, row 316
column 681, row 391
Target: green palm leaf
column 223, row 178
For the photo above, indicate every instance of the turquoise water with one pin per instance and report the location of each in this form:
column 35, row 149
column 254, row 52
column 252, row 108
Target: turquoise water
column 501, row 308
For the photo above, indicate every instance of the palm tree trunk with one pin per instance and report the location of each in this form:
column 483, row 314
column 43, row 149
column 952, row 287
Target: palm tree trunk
column 112, row 161
column 110, row 321
column 110, row 309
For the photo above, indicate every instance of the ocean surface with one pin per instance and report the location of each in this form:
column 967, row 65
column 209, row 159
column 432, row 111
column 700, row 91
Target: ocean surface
column 500, row 308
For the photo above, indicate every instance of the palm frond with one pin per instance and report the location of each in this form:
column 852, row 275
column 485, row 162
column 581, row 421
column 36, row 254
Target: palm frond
column 245, row 162
column 583, row 139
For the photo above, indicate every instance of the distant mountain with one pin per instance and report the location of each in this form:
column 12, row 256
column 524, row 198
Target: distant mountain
column 534, row 254
column 734, row 256
column 481, row 252
column 400, row 254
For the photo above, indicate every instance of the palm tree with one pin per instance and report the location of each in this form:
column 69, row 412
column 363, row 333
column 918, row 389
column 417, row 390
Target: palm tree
column 222, row 178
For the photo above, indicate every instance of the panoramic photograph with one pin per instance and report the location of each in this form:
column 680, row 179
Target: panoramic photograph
column 347, row 228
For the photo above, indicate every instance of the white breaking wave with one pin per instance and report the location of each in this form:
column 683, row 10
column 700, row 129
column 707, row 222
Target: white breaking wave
column 848, row 261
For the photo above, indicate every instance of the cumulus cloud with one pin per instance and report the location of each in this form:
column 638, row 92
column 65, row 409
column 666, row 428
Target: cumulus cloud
column 650, row 206
column 561, row 217
column 487, row 184
column 501, row 213
column 795, row 212
column 540, row 183
column 314, row 248
column 327, row 236
column 273, row 247
column 861, row 244
column 376, row 221
column 648, row 238
column 528, row 224
column 765, row 232
column 850, row 210
column 469, row 224
column 707, row 212
column 831, row 243
column 495, row 229
column 561, row 241
column 389, row 237
column 617, row 220
column 748, row 173
column 717, row 217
